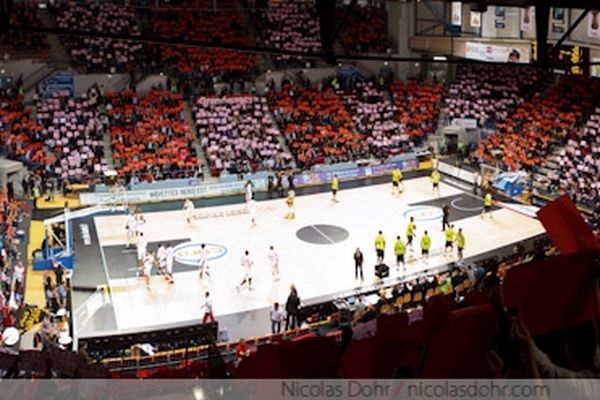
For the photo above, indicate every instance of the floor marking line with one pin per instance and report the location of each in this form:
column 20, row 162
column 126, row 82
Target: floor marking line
column 464, row 208
column 104, row 264
column 323, row 234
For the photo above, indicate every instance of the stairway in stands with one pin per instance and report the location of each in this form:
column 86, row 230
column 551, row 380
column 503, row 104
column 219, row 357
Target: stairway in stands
column 188, row 115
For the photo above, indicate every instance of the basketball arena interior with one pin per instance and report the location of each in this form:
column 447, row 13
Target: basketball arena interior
column 299, row 189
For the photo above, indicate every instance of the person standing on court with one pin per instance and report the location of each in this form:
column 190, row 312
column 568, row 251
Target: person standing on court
column 487, row 205
column 445, row 216
column 380, row 247
column 208, row 310
column 449, row 233
column 335, row 186
column 460, row 244
column 358, row 264
column 410, row 231
column 276, row 316
column 292, row 307
column 435, row 180
column 425, row 245
column 396, row 178
column 399, row 250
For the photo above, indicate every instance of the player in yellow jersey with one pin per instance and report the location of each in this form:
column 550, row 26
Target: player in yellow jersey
column 435, row 180
column 487, row 205
column 380, row 246
column 290, row 204
column 425, row 245
column 449, row 239
column 410, row 231
column 399, row 250
column 335, row 186
column 460, row 244
column 396, row 181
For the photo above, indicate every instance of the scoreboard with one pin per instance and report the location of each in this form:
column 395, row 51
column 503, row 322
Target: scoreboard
column 570, row 60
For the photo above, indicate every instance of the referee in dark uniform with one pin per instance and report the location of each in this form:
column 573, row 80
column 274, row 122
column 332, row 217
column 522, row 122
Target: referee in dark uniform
column 358, row 264
column 445, row 217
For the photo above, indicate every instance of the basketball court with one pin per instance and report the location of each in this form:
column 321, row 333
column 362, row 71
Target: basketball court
column 315, row 250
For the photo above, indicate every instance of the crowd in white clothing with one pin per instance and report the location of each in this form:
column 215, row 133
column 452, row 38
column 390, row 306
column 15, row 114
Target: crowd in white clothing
column 100, row 54
column 73, row 128
column 375, row 116
column 238, row 134
column 484, row 92
column 579, row 164
column 292, row 26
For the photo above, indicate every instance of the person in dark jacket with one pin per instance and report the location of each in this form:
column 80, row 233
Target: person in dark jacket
column 358, row 264
column 292, row 306
column 445, row 217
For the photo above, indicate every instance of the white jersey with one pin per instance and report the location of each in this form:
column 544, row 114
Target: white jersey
column 131, row 224
column 161, row 256
column 247, row 264
column 248, row 192
column 188, row 207
column 139, row 223
column 170, row 255
column 148, row 262
column 141, row 247
column 207, row 305
column 202, row 258
column 273, row 258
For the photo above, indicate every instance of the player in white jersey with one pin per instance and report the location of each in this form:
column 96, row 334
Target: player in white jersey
column 203, row 262
column 170, row 257
column 252, row 212
column 246, row 263
column 147, row 268
column 249, row 191
column 140, row 222
column 188, row 209
column 274, row 262
column 142, row 246
column 131, row 229
column 161, row 258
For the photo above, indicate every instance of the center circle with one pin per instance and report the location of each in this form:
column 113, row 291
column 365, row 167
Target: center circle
column 322, row 234
column 424, row 213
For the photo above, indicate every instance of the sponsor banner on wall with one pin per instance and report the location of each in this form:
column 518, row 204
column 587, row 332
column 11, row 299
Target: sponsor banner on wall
column 593, row 30
column 238, row 187
column 527, row 18
column 180, row 193
column 475, row 19
column 456, row 11
column 494, row 53
column 499, row 17
column 558, row 20
column 59, row 81
column 467, row 123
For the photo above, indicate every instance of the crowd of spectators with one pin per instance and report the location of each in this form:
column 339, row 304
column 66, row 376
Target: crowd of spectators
column 526, row 137
column 290, row 26
column 418, row 107
column 489, row 93
column 12, row 270
column 238, row 134
column 198, row 21
column 316, row 125
column 25, row 44
column 578, row 171
column 105, row 17
column 366, row 29
column 72, row 131
column 20, row 135
column 376, row 117
column 150, row 137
